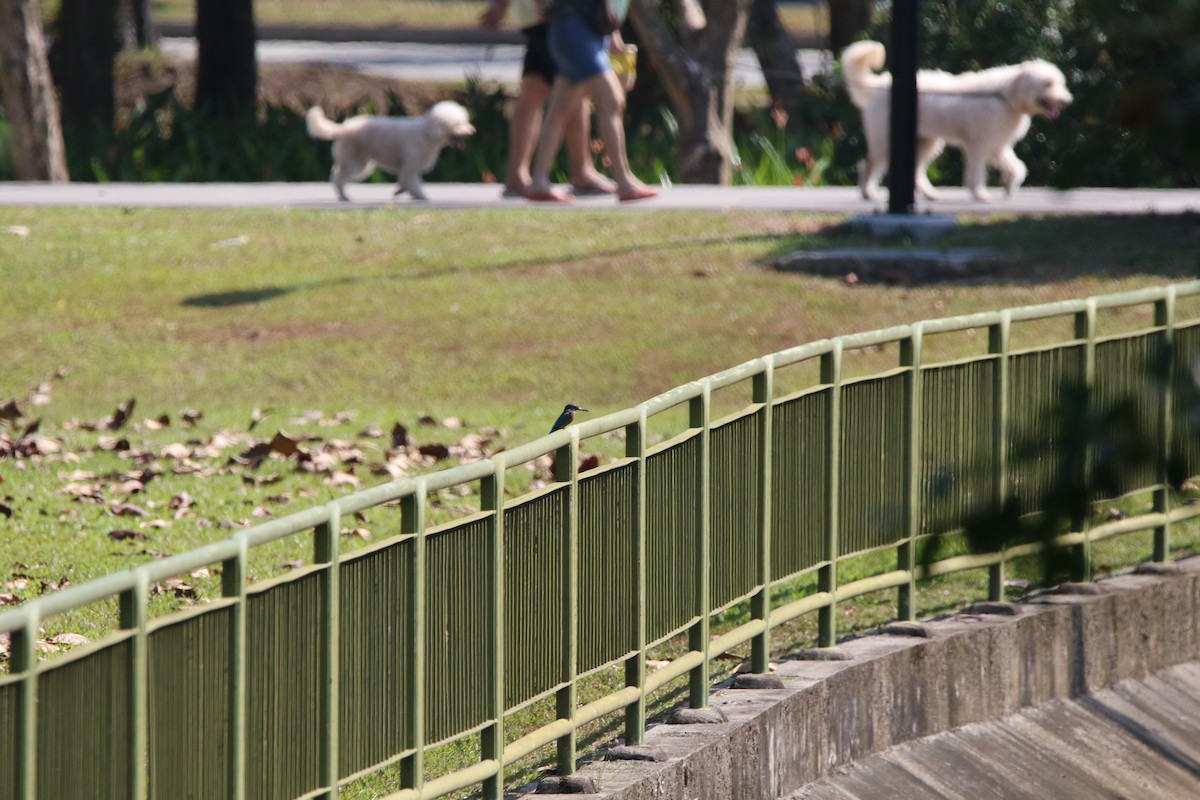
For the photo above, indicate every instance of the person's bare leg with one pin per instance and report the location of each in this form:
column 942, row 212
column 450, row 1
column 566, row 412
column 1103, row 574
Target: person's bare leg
column 523, row 130
column 577, row 136
column 609, row 100
column 564, row 100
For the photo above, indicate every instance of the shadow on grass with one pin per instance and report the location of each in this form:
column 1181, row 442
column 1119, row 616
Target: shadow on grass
column 1048, row 249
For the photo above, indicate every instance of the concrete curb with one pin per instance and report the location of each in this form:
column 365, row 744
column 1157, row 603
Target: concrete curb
column 972, row 667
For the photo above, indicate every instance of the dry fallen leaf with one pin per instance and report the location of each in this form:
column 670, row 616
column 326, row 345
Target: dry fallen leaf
column 121, row 535
column 121, row 415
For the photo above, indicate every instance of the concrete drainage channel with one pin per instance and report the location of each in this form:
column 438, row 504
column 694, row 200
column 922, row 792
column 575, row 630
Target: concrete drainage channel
column 872, row 701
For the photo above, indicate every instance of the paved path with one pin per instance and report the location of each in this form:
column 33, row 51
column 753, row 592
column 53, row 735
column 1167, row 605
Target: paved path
column 834, row 199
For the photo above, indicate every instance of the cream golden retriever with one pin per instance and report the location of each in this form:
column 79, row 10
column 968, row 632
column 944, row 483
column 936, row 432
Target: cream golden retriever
column 407, row 147
column 982, row 113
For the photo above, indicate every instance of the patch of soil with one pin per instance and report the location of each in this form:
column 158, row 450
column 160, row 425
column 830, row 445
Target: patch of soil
column 340, row 91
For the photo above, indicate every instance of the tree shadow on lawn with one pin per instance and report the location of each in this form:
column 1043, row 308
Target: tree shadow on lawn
column 1036, row 250
column 237, row 297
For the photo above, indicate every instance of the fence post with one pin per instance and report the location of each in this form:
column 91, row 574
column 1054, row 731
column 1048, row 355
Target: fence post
column 412, row 521
column 326, row 550
column 760, row 604
column 1085, row 328
column 133, row 616
column 1164, row 317
column 699, row 410
column 23, row 661
column 635, row 665
column 827, row 579
column 906, row 558
column 492, row 742
column 566, row 470
column 999, row 336
column 233, row 586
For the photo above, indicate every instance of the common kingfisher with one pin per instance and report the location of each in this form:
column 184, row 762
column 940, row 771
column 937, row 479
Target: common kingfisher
column 567, row 417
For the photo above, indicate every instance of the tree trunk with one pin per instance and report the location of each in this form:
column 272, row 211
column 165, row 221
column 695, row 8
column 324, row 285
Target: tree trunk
column 83, row 55
column 226, row 72
column 28, row 94
column 776, row 51
column 136, row 29
column 695, row 65
column 847, row 19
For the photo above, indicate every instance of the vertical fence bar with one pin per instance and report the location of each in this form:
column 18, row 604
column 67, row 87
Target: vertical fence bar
column 910, row 356
column 327, row 551
column 23, row 661
column 999, row 336
column 1085, row 328
column 699, row 412
column 233, row 585
column 566, row 470
column 635, row 665
column 1164, row 316
column 492, row 740
column 412, row 521
column 133, row 615
column 827, row 578
column 760, row 604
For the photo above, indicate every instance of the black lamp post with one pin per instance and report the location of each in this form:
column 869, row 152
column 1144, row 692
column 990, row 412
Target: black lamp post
column 903, row 161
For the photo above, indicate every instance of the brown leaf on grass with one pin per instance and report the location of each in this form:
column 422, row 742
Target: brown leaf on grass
column 121, row 415
column 152, row 424
column 190, row 416
column 279, row 499
column 283, row 444
column 177, row 451
column 31, row 428
column 342, row 479
column 176, row 586
column 89, row 491
column 453, row 423
column 254, row 456
column 69, row 639
column 128, row 487
column 121, row 535
column 154, row 523
column 54, row 586
column 259, row 511
column 400, row 436
column 5, row 510
column 434, row 451
column 590, row 461
column 181, row 504
column 128, row 510
column 361, row 533
column 427, row 420
column 112, row 444
column 317, row 462
column 77, row 476
column 10, row 411
column 10, row 599
column 295, row 564
column 371, row 432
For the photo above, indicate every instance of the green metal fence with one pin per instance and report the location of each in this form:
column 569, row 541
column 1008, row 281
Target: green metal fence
column 293, row 687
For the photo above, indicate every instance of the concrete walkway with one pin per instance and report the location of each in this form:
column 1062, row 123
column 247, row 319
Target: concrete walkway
column 833, row 200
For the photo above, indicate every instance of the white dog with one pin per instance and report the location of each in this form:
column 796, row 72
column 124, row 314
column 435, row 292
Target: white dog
column 407, row 147
column 983, row 113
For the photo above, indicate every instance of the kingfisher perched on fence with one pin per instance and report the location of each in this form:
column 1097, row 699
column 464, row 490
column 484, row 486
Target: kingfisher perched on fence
column 567, row 417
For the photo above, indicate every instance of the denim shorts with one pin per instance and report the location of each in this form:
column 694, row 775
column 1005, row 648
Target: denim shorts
column 578, row 53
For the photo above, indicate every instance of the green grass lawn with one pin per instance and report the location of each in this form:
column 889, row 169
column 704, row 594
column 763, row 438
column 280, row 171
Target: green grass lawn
column 470, row 328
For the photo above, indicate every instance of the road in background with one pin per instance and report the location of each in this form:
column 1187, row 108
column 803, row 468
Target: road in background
column 447, row 62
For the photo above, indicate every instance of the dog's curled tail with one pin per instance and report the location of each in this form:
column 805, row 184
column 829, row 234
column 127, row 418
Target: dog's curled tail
column 861, row 63
column 320, row 126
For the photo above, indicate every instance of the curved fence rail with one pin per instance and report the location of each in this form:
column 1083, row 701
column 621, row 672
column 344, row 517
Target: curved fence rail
column 294, row 687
